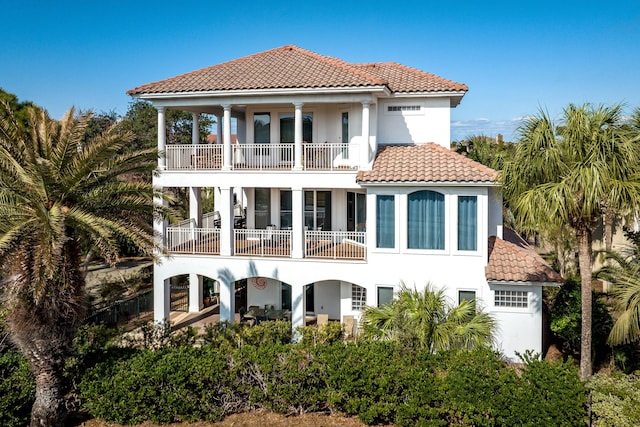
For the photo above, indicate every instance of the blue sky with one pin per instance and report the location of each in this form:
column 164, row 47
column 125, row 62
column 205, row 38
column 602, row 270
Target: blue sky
column 516, row 57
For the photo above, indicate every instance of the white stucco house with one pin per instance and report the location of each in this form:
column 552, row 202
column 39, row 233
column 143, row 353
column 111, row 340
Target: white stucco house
column 340, row 186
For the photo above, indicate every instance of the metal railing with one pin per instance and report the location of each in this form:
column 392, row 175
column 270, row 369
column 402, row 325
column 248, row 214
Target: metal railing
column 269, row 242
column 123, row 310
column 336, row 244
column 193, row 240
column 193, row 156
column 315, row 156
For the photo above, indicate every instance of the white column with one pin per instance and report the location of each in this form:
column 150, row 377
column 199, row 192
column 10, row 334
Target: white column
column 297, row 140
column 162, row 139
column 227, row 300
column 195, row 129
column 195, row 293
column 195, row 207
column 297, row 223
column 365, row 150
column 297, row 309
column 219, row 129
column 226, row 221
column 226, row 138
column 161, row 298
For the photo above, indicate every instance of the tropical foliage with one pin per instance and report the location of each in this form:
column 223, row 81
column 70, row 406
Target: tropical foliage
column 427, row 320
column 571, row 173
column 59, row 193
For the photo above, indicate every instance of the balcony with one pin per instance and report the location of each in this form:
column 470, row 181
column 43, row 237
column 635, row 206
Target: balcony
column 338, row 245
column 315, row 156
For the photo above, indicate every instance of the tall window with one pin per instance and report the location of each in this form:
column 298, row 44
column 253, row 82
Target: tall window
column 425, row 220
column 262, row 128
column 286, row 218
column 356, row 211
column 467, row 223
column 358, row 297
column 385, row 222
column 317, row 210
column 288, row 127
column 262, row 207
column 345, row 134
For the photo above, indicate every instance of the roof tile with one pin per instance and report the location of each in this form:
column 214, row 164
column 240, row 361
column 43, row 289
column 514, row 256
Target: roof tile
column 429, row 163
column 517, row 262
column 294, row 67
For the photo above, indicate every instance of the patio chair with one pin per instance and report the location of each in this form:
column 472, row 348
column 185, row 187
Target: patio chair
column 323, row 320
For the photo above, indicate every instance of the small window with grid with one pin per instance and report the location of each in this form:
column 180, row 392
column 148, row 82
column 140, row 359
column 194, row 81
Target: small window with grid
column 358, row 297
column 517, row 299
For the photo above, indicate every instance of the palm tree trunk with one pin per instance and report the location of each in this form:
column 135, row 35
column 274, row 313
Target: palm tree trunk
column 584, row 238
column 49, row 406
column 608, row 230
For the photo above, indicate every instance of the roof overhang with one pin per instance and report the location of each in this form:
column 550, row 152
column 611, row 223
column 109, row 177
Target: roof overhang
column 455, row 97
column 428, row 184
column 519, row 283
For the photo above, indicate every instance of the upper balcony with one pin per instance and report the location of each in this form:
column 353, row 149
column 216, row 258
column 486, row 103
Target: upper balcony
column 315, row 157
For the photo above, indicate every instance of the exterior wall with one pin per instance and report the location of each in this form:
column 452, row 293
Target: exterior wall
column 327, row 298
column 263, row 291
column 430, row 124
column 494, row 201
column 520, row 329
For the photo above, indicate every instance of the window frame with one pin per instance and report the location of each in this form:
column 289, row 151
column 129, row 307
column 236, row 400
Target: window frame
column 443, row 226
column 358, row 297
column 458, row 223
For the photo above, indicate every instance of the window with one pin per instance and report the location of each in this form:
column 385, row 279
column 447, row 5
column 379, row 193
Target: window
column 288, row 127
column 467, row 223
column 385, row 222
column 519, row 299
column 345, row 134
column 358, row 297
column 394, row 108
column 286, row 218
column 262, row 207
column 356, row 212
column 309, row 298
column 385, row 295
column 425, row 220
column 466, row 296
column 262, row 130
column 317, row 210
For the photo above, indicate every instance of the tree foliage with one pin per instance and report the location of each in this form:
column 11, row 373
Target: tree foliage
column 60, row 192
column 571, row 173
column 426, row 319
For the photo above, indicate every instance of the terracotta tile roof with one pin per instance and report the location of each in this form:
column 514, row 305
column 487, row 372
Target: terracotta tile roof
column 401, row 78
column 424, row 163
column 291, row 67
column 517, row 262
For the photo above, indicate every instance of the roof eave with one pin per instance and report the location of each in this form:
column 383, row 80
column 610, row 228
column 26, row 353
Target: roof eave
column 455, row 96
column 429, row 183
column 522, row 283
column 381, row 90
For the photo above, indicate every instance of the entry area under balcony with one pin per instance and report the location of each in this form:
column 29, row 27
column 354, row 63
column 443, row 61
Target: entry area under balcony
column 344, row 245
column 315, row 156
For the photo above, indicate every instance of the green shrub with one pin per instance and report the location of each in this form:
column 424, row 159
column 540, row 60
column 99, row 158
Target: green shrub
column 17, row 389
column 615, row 400
column 315, row 335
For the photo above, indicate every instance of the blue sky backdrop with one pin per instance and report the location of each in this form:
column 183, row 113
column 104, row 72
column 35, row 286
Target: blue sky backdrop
column 516, row 57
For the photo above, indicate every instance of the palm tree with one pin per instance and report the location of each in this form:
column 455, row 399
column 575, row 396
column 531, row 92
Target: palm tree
column 571, row 174
column 60, row 194
column 426, row 319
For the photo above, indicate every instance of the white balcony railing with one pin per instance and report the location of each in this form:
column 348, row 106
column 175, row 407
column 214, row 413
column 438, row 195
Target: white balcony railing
column 193, row 156
column 193, row 240
column 335, row 244
column 316, row 156
column 345, row 245
column 269, row 242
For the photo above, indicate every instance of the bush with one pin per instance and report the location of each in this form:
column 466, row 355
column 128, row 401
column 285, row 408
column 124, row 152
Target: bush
column 17, row 389
column 615, row 400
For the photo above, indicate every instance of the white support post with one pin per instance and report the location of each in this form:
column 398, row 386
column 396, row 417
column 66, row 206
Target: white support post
column 297, row 223
column 365, row 149
column 297, row 309
column 162, row 139
column 297, row 140
column 227, row 301
column 195, row 129
column 195, row 207
column 226, row 221
column 195, row 293
column 161, row 290
column 226, row 138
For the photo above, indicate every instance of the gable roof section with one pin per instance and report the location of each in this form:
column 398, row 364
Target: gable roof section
column 291, row 67
column 517, row 262
column 424, row 163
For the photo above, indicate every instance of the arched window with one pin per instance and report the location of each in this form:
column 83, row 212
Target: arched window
column 425, row 220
